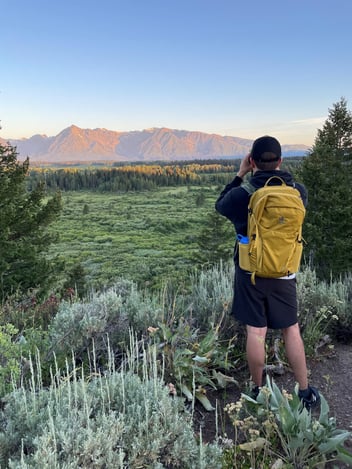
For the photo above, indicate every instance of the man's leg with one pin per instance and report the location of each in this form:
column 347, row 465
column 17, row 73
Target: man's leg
column 295, row 354
column 255, row 349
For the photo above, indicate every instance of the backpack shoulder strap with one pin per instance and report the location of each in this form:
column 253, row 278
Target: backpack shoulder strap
column 248, row 187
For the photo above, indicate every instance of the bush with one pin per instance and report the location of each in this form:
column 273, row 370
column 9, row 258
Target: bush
column 28, row 311
column 114, row 421
column 210, row 297
column 110, row 314
column 275, row 431
column 10, row 352
column 324, row 307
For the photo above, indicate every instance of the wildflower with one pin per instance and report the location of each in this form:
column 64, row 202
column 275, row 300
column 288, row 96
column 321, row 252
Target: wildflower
column 238, row 423
column 233, row 407
column 229, row 407
column 265, row 391
column 253, row 432
column 316, row 426
column 287, row 395
column 268, row 424
column 238, row 406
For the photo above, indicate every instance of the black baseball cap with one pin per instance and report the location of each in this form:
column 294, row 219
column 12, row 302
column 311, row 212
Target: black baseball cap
column 266, row 149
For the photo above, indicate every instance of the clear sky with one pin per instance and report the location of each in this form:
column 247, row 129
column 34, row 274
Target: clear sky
column 231, row 67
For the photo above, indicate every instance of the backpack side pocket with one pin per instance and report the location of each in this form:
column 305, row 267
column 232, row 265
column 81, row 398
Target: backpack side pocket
column 243, row 252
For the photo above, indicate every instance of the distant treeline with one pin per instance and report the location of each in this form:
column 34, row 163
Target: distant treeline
column 121, row 177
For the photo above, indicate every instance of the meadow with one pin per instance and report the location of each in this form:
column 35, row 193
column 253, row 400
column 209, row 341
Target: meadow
column 143, row 236
column 140, row 222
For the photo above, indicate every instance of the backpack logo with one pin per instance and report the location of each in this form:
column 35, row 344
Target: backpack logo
column 275, row 218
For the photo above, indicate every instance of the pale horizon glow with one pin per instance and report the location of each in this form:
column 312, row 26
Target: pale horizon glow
column 229, row 68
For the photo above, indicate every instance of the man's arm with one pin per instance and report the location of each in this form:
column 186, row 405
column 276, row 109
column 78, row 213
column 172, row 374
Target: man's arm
column 227, row 203
column 245, row 166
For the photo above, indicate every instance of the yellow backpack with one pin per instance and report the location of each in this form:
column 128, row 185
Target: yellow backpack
column 274, row 231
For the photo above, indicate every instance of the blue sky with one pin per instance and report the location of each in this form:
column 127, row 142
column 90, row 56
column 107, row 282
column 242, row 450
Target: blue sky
column 240, row 68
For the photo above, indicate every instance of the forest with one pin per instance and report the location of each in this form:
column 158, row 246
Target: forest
column 138, row 177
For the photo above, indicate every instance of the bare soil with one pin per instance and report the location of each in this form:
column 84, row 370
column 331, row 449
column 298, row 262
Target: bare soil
column 330, row 373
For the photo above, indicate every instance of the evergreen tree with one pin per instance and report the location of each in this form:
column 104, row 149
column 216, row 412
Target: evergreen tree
column 215, row 241
column 76, row 281
column 326, row 172
column 24, row 236
column 200, row 198
column 85, row 209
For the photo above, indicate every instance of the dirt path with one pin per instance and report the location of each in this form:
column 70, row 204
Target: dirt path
column 333, row 377
column 330, row 373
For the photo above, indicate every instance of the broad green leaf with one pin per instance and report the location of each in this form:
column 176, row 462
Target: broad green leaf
column 344, row 455
column 297, row 441
column 287, row 419
column 223, row 380
column 249, row 399
column 332, row 443
column 199, row 359
column 324, row 411
column 185, row 390
column 204, row 401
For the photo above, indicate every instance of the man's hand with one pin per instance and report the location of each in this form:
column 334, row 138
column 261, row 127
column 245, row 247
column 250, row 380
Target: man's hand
column 245, row 166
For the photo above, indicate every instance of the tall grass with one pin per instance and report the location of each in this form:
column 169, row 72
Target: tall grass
column 143, row 236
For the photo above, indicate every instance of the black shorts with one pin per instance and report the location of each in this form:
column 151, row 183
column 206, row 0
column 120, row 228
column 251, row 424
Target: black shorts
column 269, row 303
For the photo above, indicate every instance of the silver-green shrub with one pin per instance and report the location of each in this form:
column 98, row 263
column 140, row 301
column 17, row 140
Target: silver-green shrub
column 112, row 313
column 119, row 420
column 210, row 296
column 324, row 304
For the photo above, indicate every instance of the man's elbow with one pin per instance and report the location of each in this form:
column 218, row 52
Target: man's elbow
column 219, row 207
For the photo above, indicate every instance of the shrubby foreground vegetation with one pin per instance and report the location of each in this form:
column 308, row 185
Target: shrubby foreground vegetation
column 105, row 370
column 106, row 380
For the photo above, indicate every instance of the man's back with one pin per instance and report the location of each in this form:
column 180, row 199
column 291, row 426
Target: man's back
column 234, row 200
column 274, row 230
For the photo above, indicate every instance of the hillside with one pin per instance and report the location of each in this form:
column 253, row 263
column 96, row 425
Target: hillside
column 76, row 144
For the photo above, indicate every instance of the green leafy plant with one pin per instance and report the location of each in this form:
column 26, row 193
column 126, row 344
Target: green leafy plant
column 275, row 429
column 193, row 361
column 10, row 353
column 315, row 328
column 314, row 295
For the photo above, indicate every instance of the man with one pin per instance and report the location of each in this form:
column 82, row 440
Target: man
column 269, row 303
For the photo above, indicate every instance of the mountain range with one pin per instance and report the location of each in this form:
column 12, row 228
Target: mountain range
column 74, row 144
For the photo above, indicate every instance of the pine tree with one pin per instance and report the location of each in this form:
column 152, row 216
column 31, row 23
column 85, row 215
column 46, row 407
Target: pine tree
column 76, row 281
column 215, row 241
column 326, row 172
column 24, row 221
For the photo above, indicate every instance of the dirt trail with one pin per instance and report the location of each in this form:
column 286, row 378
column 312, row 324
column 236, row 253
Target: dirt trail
column 330, row 373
